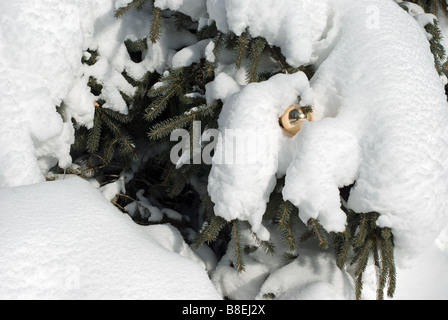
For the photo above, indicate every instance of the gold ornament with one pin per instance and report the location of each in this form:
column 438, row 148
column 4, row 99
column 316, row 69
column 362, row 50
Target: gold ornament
column 293, row 117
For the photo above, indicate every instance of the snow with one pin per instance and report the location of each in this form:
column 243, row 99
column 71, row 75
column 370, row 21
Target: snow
column 41, row 46
column 121, row 3
column 189, row 55
column 193, row 8
column 296, row 28
column 247, row 184
column 375, row 124
column 65, row 240
column 276, row 275
column 32, row 86
column 222, row 87
column 420, row 281
column 169, row 237
column 111, row 190
column 315, row 276
column 402, row 135
column 79, row 246
column 379, row 122
column 328, row 283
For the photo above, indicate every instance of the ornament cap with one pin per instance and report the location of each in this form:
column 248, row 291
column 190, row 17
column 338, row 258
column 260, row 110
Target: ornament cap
column 293, row 117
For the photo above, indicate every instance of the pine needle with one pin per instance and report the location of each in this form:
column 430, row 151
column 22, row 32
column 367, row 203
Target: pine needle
column 319, row 232
column 362, row 230
column 210, row 231
column 342, row 246
column 284, row 223
column 240, row 49
column 94, row 135
column 238, row 256
column 156, row 25
column 257, row 48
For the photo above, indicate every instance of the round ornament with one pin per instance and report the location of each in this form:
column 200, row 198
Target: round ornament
column 293, row 117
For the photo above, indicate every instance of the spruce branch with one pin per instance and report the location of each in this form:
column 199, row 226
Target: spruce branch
column 362, row 258
column 108, row 131
column 165, row 127
column 437, row 49
column 210, row 67
column 81, row 138
column 431, row 6
column 342, row 247
column 208, row 32
column 368, row 240
column 183, row 21
column 307, row 235
column 160, row 104
column 124, row 140
column 280, row 58
column 273, row 206
column 91, row 58
column 255, row 53
column 238, row 252
column 240, row 48
column 363, row 229
column 156, row 25
column 388, row 247
column 136, row 46
column 319, row 232
column 384, row 270
column 268, row 295
column 210, row 231
column 109, row 149
column 170, row 86
column 174, row 180
column 94, row 135
column 267, row 246
column 284, row 223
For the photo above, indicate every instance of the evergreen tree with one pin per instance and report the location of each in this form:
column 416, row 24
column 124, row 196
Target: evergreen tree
column 431, row 6
column 176, row 98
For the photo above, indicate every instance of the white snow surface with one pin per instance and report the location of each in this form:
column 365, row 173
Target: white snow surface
column 394, row 143
column 40, row 53
column 33, row 84
column 248, row 154
column 380, row 117
column 412, row 282
column 319, row 279
column 297, row 27
column 315, row 276
column 41, row 46
column 379, row 121
column 65, row 240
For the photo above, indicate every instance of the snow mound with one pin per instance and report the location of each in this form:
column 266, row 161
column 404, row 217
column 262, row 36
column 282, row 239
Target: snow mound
column 382, row 126
column 42, row 45
column 379, row 121
column 424, row 279
column 32, row 85
column 320, row 279
column 297, row 28
column 239, row 186
column 64, row 240
column 313, row 275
